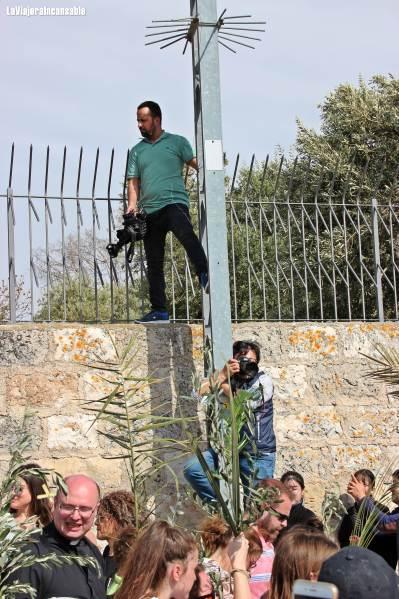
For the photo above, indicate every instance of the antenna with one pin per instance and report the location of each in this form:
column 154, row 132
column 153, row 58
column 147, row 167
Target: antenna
column 173, row 31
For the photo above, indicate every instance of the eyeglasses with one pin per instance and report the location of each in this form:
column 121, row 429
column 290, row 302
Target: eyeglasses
column 279, row 515
column 84, row 510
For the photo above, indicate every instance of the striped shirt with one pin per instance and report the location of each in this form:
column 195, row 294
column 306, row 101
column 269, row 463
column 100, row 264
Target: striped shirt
column 259, row 583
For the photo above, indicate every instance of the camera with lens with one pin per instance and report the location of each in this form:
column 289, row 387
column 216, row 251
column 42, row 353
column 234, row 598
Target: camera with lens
column 134, row 229
column 248, row 368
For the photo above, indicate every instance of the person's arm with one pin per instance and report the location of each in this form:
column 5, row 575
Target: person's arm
column 385, row 522
column 133, row 190
column 221, row 377
column 193, row 163
column 238, row 552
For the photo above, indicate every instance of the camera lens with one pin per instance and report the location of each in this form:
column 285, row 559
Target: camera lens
column 248, row 368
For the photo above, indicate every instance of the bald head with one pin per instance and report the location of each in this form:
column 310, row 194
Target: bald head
column 74, row 512
column 76, row 480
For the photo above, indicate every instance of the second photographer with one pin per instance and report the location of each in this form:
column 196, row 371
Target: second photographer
column 257, row 461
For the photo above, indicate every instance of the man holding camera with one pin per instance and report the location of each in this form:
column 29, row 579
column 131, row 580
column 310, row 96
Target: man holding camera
column 156, row 185
column 257, row 460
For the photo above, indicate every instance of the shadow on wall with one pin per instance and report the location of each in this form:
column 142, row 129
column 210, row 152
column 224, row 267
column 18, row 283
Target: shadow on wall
column 170, row 358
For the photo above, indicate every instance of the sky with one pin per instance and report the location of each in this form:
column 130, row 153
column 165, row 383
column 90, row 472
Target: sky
column 76, row 81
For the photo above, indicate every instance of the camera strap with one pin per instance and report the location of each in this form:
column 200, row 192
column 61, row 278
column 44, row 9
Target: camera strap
column 130, row 252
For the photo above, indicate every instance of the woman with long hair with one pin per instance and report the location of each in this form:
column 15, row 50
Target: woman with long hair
column 160, row 565
column 116, row 510
column 299, row 554
column 122, row 546
column 25, row 502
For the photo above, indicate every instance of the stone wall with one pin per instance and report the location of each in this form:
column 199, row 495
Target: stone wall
column 329, row 418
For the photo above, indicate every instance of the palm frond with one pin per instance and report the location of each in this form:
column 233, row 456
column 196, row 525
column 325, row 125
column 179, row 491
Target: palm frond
column 388, row 372
column 137, row 427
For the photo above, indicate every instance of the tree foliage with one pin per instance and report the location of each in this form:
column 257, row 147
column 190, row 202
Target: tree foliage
column 22, row 300
column 301, row 233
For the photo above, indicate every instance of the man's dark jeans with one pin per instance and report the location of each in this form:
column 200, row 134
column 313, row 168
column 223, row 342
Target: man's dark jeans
column 175, row 218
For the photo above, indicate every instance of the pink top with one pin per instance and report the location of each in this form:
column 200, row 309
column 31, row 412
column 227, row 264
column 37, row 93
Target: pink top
column 259, row 583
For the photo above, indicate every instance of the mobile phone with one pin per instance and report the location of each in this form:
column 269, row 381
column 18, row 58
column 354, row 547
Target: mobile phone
column 303, row 589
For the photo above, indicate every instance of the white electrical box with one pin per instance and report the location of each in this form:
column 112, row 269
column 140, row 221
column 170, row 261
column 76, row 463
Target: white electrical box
column 213, row 155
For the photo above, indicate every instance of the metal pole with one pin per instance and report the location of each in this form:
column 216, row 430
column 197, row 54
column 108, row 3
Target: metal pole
column 11, row 255
column 377, row 264
column 212, row 209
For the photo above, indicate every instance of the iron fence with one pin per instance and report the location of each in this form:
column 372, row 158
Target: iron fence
column 305, row 243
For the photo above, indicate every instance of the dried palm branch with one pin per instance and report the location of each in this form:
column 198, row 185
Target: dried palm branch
column 146, row 434
column 388, row 372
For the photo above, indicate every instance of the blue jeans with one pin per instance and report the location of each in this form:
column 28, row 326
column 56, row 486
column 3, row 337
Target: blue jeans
column 253, row 469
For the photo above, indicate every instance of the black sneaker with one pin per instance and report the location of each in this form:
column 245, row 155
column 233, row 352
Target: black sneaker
column 204, row 281
column 154, row 316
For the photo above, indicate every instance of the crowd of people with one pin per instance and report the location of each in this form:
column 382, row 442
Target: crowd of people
column 156, row 560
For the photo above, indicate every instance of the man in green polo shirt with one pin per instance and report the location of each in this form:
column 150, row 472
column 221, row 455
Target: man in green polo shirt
column 156, row 185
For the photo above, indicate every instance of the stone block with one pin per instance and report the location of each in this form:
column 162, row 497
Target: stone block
column 12, row 429
column 268, row 336
column 23, row 346
column 314, row 462
column 347, row 458
column 71, row 432
column 82, row 345
column 344, row 384
column 311, row 342
column 108, row 473
column 363, row 337
column 372, row 424
column 290, row 384
column 50, row 388
column 95, row 384
column 304, row 426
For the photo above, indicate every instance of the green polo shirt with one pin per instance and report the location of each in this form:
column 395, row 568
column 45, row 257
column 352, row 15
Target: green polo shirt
column 159, row 167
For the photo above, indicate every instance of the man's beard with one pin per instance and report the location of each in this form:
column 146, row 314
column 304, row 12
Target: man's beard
column 146, row 134
column 268, row 532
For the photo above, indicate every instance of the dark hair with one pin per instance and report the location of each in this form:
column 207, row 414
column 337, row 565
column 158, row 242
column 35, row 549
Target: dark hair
column 315, row 522
column 300, row 551
column 145, row 567
column 120, row 506
column 239, row 346
column 154, row 108
column 215, row 533
column 38, row 507
column 395, row 474
column 292, row 475
column 365, row 476
column 123, row 544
